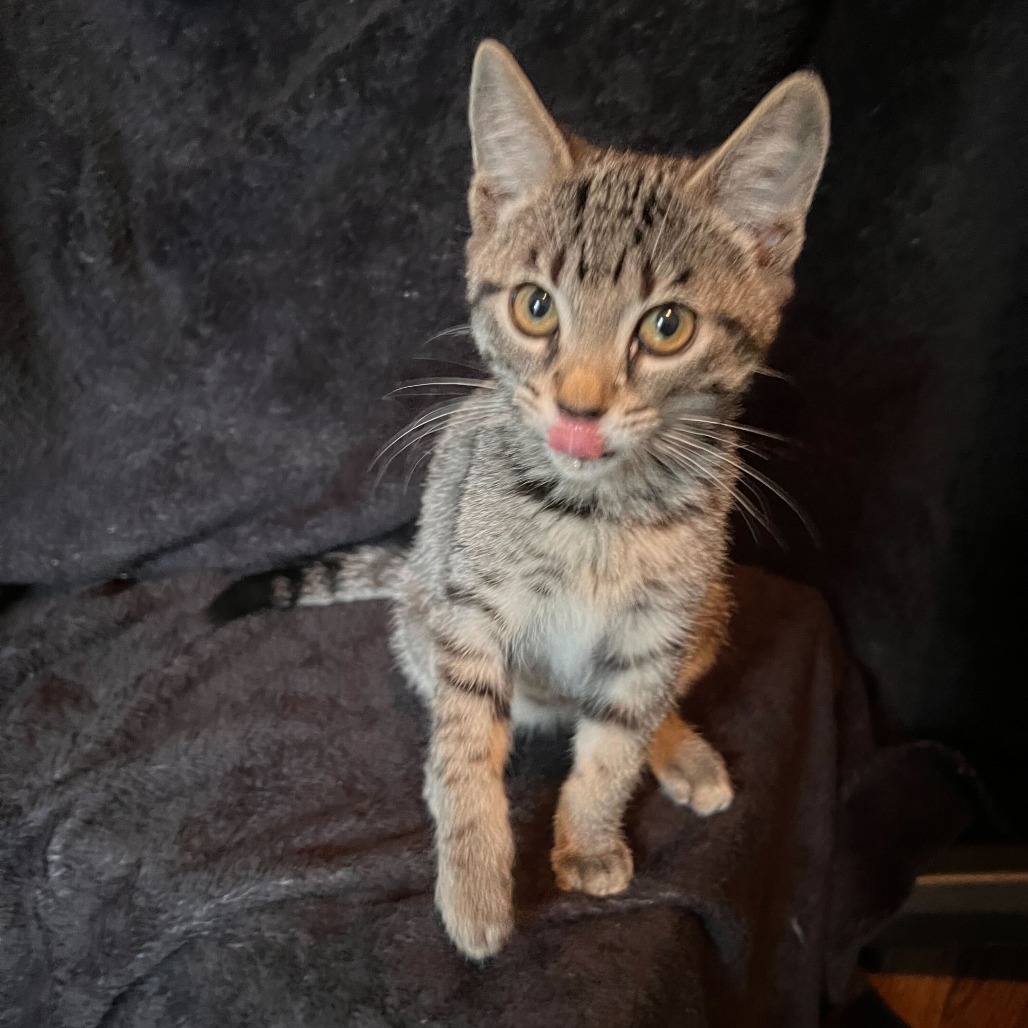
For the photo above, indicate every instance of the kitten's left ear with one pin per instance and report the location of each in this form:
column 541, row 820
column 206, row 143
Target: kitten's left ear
column 517, row 146
column 765, row 175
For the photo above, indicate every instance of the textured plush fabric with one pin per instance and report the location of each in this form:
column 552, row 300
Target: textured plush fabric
column 226, row 229
column 222, row 827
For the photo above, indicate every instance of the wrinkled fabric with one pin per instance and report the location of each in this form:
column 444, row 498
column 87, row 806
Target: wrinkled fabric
column 226, row 230
column 223, row 826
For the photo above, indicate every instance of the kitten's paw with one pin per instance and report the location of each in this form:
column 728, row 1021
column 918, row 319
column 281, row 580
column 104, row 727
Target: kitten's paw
column 478, row 916
column 600, row 873
column 695, row 776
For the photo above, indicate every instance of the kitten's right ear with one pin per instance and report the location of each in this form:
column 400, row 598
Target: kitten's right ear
column 765, row 175
column 516, row 145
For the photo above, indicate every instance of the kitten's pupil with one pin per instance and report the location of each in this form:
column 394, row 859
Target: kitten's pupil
column 667, row 322
column 539, row 304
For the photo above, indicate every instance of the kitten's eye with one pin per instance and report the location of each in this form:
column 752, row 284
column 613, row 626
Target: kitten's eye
column 666, row 329
column 533, row 310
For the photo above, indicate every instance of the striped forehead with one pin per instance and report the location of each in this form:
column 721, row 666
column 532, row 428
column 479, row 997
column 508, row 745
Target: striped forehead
column 615, row 219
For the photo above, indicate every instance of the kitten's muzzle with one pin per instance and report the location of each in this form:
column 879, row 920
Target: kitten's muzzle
column 582, row 396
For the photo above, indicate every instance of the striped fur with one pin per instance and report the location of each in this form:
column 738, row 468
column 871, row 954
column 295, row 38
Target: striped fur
column 367, row 572
column 540, row 589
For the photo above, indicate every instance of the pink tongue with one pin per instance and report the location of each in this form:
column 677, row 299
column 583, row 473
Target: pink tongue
column 577, row 437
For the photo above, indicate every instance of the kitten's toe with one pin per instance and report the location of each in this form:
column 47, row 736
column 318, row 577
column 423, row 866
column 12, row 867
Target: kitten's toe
column 601, row 873
column 711, row 797
column 478, row 917
column 479, row 940
column 696, row 777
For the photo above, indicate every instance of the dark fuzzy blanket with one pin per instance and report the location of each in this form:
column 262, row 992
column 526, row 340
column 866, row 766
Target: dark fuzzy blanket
column 223, row 827
column 226, row 229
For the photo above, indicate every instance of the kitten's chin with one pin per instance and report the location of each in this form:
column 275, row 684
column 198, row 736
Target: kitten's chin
column 577, row 469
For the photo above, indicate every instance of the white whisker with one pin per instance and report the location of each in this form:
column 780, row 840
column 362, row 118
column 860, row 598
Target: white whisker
column 771, row 373
column 414, row 467
column 437, row 425
column 425, row 383
column 440, row 410
column 450, row 360
column 734, row 492
column 691, row 419
column 756, row 476
column 663, row 224
column 453, row 330
column 712, row 436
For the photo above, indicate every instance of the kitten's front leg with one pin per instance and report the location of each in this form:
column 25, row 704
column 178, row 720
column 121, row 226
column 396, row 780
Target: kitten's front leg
column 590, row 854
column 688, row 768
column 465, row 794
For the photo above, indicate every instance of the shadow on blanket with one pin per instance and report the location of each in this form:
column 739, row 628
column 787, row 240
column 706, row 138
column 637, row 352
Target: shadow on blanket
column 224, row 827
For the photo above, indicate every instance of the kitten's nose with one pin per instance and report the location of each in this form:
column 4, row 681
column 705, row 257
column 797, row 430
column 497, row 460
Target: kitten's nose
column 580, row 412
column 582, row 393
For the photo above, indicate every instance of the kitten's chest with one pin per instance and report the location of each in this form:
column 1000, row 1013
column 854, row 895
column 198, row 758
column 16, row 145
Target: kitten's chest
column 568, row 588
column 565, row 595
column 560, row 638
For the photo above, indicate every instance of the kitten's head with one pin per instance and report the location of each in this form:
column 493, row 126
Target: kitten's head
column 612, row 293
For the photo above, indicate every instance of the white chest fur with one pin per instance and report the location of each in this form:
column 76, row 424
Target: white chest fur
column 560, row 622
column 561, row 640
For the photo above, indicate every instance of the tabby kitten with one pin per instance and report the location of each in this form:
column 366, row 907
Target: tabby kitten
column 570, row 558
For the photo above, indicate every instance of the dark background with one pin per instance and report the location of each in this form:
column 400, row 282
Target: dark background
column 228, row 229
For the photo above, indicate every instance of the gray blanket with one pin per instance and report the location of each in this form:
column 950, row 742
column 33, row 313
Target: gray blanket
column 221, row 827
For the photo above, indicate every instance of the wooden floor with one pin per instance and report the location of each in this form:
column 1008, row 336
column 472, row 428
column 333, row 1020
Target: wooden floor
column 982, row 991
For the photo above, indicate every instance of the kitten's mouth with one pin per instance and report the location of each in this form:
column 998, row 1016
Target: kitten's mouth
column 577, row 438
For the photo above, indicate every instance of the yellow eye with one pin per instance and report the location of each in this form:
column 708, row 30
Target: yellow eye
column 666, row 329
column 533, row 310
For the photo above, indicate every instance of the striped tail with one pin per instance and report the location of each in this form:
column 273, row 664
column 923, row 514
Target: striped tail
column 365, row 572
